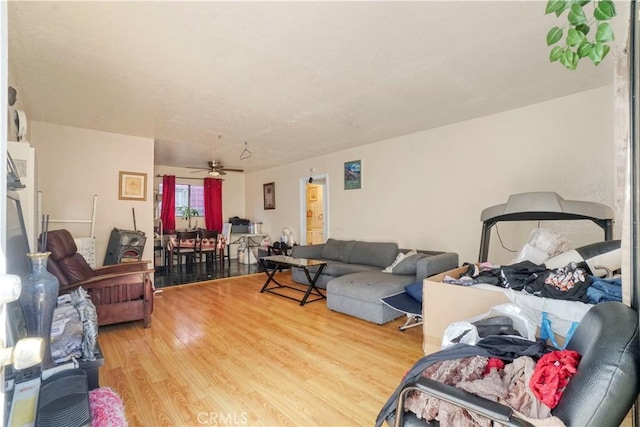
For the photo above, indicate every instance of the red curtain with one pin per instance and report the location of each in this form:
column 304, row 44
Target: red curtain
column 213, row 204
column 168, row 214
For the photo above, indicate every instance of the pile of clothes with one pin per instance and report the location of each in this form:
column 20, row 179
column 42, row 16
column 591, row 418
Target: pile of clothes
column 527, row 376
column 570, row 282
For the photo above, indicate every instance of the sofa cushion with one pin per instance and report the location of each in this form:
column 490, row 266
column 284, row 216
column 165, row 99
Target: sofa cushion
column 336, row 269
column 398, row 260
column 337, row 250
column 399, row 257
column 367, row 285
column 76, row 268
column 379, row 254
column 408, row 265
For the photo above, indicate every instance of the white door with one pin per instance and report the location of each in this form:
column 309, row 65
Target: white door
column 314, row 209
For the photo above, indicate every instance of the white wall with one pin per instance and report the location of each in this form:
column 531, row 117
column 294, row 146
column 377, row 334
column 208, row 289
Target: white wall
column 423, row 190
column 232, row 191
column 74, row 164
column 427, row 189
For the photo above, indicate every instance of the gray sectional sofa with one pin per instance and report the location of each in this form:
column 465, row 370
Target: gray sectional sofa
column 354, row 279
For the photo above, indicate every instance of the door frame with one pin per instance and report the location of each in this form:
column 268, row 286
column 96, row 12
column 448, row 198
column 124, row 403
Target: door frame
column 322, row 180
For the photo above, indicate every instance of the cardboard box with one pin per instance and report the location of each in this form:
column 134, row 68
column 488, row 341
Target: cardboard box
column 444, row 304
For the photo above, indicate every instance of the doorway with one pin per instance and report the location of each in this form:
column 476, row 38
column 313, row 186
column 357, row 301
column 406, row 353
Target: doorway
column 314, row 212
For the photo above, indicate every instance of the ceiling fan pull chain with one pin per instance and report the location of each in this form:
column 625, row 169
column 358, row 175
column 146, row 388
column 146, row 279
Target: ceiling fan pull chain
column 245, row 153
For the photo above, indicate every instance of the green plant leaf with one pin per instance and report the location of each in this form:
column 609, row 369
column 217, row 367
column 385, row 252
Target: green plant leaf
column 574, row 37
column 584, row 49
column 584, row 29
column 564, row 7
column 554, row 5
column 569, row 59
column 576, row 15
column 604, row 11
column 556, row 53
column 605, row 50
column 604, row 33
column 597, row 53
column 554, row 35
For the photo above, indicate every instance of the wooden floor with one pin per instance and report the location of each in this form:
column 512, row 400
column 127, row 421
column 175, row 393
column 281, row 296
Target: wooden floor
column 222, row 353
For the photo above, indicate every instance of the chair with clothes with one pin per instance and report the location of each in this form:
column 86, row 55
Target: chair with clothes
column 601, row 392
column 207, row 246
column 183, row 246
column 120, row 292
column 224, row 240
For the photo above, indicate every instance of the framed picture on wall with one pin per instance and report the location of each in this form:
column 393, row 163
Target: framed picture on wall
column 133, row 186
column 269, row 194
column 353, row 175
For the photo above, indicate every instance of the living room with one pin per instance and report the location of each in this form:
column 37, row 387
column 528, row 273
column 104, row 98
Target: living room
column 411, row 183
column 423, row 188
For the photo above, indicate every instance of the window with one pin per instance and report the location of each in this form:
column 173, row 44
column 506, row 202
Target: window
column 187, row 196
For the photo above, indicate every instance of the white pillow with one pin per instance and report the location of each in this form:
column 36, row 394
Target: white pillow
column 399, row 258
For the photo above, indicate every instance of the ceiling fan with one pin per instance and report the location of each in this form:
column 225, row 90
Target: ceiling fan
column 215, row 169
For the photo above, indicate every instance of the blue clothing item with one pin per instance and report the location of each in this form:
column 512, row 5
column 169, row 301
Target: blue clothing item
column 604, row 290
column 414, row 290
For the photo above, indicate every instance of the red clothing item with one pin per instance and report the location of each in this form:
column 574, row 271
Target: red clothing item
column 493, row 362
column 552, row 375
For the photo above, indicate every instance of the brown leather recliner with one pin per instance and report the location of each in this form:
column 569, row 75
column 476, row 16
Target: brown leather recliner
column 120, row 292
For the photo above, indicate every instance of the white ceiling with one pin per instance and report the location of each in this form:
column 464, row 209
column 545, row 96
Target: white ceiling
column 292, row 79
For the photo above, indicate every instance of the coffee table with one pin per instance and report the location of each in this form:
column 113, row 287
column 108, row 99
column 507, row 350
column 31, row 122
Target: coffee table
column 274, row 263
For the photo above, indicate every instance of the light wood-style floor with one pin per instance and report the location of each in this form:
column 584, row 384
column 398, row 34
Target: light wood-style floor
column 222, row 353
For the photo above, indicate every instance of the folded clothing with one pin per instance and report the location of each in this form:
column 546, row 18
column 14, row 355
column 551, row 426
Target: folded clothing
column 66, row 331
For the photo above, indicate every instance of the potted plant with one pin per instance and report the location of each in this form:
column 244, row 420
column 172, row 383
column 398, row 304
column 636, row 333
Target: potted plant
column 187, row 213
column 577, row 44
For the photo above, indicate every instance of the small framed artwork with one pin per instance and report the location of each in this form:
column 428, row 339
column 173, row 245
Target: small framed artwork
column 352, row 175
column 269, row 194
column 133, row 186
column 313, row 194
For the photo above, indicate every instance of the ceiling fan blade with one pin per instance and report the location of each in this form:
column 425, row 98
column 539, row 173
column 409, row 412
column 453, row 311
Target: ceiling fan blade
column 221, row 172
column 233, row 170
column 198, row 170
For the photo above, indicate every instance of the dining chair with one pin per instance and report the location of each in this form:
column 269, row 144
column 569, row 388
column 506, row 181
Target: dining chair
column 207, row 245
column 225, row 250
column 183, row 245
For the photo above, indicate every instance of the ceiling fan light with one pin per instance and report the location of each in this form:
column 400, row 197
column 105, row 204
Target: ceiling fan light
column 214, row 173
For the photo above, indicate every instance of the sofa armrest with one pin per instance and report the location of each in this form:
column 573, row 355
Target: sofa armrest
column 308, row 251
column 435, row 264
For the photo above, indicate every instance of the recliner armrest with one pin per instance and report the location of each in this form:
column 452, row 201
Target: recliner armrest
column 122, row 267
column 469, row 401
column 109, row 280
